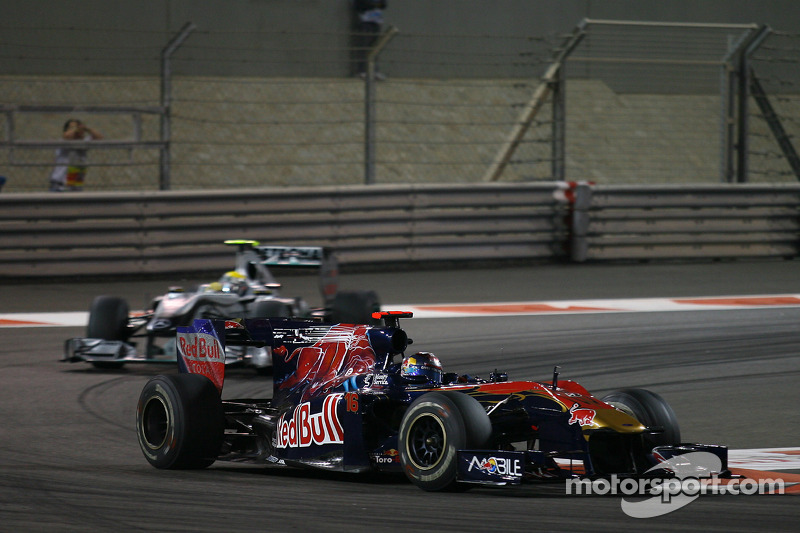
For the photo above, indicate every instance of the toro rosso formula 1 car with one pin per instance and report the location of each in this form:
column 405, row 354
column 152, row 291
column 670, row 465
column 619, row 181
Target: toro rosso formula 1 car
column 249, row 290
column 343, row 401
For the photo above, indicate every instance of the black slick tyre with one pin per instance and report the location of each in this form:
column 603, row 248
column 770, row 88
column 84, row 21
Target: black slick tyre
column 435, row 426
column 477, row 423
column 180, row 422
column 271, row 309
column 108, row 319
column 354, row 307
column 651, row 410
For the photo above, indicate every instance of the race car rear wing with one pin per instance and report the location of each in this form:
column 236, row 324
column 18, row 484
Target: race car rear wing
column 253, row 258
column 279, row 255
column 299, row 256
column 309, row 357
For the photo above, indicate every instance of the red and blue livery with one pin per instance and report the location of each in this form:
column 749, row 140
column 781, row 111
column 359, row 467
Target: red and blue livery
column 347, row 397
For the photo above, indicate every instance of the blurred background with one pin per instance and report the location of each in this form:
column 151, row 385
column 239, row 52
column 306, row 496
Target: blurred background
column 272, row 93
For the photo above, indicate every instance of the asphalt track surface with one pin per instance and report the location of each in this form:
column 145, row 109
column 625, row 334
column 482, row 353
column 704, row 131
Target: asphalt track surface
column 69, row 460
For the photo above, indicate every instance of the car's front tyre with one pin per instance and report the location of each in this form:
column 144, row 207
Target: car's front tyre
column 108, row 319
column 651, row 410
column 435, row 426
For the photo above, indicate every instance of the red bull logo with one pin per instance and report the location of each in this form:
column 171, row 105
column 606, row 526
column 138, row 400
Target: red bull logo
column 388, row 457
column 304, row 428
column 582, row 416
column 490, row 465
column 202, row 353
column 200, row 346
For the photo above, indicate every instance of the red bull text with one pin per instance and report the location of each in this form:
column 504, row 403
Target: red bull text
column 304, row 428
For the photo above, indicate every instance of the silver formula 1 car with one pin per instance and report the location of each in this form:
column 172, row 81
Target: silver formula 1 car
column 115, row 336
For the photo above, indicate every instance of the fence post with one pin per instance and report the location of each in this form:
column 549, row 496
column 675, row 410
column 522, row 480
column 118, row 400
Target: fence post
column 10, row 133
column 166, row 101
column 744, row 97
column 727, row 119
column 581, row 203
column 735, row 85
column 558, row 89
column 550, row 79
column 369, row 104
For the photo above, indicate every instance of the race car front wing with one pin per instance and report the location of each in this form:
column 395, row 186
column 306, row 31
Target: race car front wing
column 100, row 352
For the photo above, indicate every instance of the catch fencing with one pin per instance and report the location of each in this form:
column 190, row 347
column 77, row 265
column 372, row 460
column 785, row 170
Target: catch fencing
column 209, row 108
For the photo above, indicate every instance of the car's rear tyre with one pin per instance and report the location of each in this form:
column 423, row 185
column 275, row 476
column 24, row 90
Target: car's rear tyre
column 354, row 307
column 435, row 426
column 651, row 410
column 271, row 309
column 204, row 311
column 180, row 422
column 108, row 319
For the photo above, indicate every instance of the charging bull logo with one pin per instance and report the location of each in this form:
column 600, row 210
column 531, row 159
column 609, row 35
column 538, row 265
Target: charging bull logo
column 303, row 428
column 577, row 415
column 489, row 465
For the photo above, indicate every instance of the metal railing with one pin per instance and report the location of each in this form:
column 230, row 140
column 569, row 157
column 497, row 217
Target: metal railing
column 686, row 222
column 162, row 232
column 96, row 234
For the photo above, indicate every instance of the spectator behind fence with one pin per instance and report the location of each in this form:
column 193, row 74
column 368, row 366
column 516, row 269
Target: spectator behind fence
column 70, row 170
column 368, row 21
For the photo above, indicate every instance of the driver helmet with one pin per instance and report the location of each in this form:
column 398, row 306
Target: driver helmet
column 234, row 282
column 422, row 364
column 215, row 286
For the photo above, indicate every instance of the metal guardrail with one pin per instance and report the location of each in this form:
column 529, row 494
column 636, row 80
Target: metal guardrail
column 76, row 234
column 91, row 234
column 685, row 222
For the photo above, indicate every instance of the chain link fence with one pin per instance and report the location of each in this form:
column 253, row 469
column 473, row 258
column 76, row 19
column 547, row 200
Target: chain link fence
column 312, row 130
column 773, row 144
column 642, row 104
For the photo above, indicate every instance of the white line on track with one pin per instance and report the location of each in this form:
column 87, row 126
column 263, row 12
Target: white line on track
column 770, row 459
column 40, row 320
column 635, row 305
